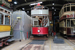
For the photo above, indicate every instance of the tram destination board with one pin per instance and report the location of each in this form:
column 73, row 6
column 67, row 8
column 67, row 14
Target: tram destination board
column 38, row 7
column 70, row 16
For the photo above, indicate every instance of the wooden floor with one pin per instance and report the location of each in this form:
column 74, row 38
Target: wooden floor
column 48, row 45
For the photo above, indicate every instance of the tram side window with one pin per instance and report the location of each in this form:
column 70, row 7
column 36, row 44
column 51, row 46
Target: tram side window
column 73, row 8
column 68, row 8
column 64, row 9
column 1, row 19
column 68, row 23
column 1, row 9
column 7, row 20
column 72, row 23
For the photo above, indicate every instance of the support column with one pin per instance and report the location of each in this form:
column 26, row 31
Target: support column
column 54, row 24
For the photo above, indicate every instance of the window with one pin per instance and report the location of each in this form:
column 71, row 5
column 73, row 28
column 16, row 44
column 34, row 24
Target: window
column 73, row 8
column 7, row 20
column 68, row 8
column 1, row 9
column 5, row 11
column 8, row 12
column 35, row 22
column 1, row 19
column 68, row 23
column 64, row 9
column 72, row 23
column 72, row 4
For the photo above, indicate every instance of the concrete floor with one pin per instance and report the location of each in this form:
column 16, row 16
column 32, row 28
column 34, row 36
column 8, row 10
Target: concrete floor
column 48, row 45
column 17, row 45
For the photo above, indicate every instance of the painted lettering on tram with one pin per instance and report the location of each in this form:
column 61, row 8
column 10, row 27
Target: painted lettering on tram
column 70, row 16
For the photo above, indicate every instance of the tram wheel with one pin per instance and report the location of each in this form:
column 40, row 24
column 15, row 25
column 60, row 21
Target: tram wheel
column 46, row 36
column 19, row 40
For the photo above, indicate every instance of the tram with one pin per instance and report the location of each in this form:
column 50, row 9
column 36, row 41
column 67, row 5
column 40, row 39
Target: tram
column 67, row 20
column 5, row 25
column 40, row 20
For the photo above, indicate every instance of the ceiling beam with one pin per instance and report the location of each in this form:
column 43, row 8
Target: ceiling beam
column 41, row 1
column 49, row 8
column 53, row 5
column 65, row 0
column 29, row 3
column 70, row 0
column 49, row 5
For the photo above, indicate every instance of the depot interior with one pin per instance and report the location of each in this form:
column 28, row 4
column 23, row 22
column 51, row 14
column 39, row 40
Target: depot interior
column 60, row 23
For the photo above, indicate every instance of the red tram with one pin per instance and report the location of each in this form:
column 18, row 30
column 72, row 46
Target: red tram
column 40, row 21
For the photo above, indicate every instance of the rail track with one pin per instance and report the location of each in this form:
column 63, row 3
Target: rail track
column 72, row 41
column 34, row 45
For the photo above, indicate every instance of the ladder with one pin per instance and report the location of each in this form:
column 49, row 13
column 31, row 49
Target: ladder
column 15, row 22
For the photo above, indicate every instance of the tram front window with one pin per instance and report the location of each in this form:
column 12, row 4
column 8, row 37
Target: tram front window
column 7, row 20
column 72, row 23
column 35, row 22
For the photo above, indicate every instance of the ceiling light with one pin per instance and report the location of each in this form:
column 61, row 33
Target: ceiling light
column 23, row 9
column 9, row 0
column 50, row 22
column 52, row 3
column 39, row 2
column 55, row 10
column 36, row 3
column 33, row 4
column 27, row 11
column 54, row 13
column 52, row 7
column 15, row 2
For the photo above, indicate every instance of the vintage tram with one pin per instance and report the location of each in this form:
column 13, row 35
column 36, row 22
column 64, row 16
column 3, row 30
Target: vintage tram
column 67, row 20
column 40, row 20
column 5, row 25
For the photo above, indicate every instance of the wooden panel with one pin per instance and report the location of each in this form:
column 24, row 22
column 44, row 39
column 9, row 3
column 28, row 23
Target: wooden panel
column 68, row 30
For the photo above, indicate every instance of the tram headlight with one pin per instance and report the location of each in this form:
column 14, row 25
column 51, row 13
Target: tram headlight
column 38, row 30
